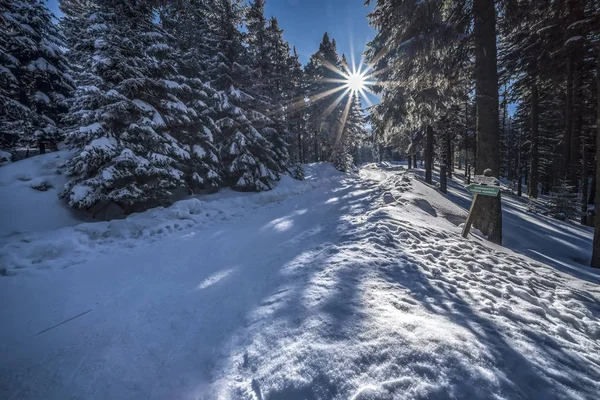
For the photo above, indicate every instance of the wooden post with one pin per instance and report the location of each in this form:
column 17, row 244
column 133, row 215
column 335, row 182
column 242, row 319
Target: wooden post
column 469, row 220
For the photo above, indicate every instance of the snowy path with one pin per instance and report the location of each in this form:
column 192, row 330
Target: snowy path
column 358, row 288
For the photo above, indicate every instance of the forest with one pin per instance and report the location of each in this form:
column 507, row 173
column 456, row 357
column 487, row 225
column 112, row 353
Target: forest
column 159, row 98
column 510, row 85
column 162, row 99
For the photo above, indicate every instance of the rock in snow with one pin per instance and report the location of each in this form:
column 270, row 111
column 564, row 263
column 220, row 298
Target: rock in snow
column 338, row 287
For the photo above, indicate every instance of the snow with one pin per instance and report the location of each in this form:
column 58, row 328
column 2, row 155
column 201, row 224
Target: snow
column 337, row 287
column 90, row 129
column 574, row 39
column 24, row 209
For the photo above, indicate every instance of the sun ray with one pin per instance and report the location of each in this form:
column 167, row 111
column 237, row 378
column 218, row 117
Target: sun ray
column 333, row 105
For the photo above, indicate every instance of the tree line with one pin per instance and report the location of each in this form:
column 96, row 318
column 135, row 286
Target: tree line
column 451, row 71
column 158, row 97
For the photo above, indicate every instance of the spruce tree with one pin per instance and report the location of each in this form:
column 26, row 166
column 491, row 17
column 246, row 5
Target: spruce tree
column 249, row 161
column 35, row 82
column 126, row 110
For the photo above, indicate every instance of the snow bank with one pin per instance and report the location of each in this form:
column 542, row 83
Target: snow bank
column 72, row 242
column 29, row 191
column 399, row 306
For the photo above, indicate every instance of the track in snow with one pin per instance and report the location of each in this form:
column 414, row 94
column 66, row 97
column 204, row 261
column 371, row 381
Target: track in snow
column 354, row 289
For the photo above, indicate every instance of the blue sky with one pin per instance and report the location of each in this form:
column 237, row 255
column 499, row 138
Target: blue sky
column 305, row 21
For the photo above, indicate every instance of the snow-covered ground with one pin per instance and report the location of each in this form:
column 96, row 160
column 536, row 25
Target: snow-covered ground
column 339, row 287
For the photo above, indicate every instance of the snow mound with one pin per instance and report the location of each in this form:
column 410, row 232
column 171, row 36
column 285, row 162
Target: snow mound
column 72, row 244
column 29, row 191
column 399, row 306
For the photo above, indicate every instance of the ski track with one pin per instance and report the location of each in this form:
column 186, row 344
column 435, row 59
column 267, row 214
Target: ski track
column 357, row 289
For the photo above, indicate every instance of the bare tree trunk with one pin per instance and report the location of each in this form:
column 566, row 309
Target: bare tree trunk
column 488, row 214
column 316, row 146
column 409, row 162
column 568, row 119
column 448, row 156
column 504, row 136
column 576, row 123
column 584, row 185
column 519, row 168
column 596, row 247
column 443, row 178
column 532, row 189
column 300, row 155
column 452, row 160
column 466, row 138
column 429, row 155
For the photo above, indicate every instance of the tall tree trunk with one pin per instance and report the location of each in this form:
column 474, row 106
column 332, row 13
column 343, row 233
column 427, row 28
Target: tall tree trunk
column 576, row 122
column 300, row 155
column 466, row 138
column 448, row 156
column 488, row 214
column 504, row 136
column 42, row 147
column 568, row 119
column 443, row 178
column 519, row 169
column 409, row 162
column 429, row 155
column 532, row 189
column 316, row 146
column 584, row 184
column 596, row 247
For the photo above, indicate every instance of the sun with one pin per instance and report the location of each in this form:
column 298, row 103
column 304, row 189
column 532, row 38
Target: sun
column 356, row 81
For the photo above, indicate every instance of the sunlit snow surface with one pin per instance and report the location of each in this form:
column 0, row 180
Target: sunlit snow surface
column 339, row 287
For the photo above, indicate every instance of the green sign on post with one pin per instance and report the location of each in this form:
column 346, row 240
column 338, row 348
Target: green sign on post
column 484, row 190
column 478, row 190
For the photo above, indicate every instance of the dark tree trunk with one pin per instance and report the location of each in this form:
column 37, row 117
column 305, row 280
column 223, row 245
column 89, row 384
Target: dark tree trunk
column 317, row 146
column 429, row 155
column 443, row 178
column 504, row 136
column 409, row 162
column 532, row 189
column 299, row 136
column 448, row 156
column 576, row 122
column 596, row 247
column 519, row 169
column 452, row 159
column 584, row 185
column 488, row 214
column 42, row 146
column 568, row 118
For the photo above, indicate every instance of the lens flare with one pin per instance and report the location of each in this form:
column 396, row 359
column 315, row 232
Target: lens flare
column 356, row 82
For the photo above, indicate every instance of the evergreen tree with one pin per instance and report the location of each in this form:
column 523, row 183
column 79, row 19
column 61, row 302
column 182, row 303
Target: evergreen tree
column 248, row 158
column 126, row 110
column 34, row 76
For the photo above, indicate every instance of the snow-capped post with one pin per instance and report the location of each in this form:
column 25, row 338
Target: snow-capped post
column 484, row 185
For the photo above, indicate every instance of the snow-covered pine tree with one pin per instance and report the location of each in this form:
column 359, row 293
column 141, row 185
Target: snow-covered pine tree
column 125, row 110
column 276, row 91
column 295, row 107
column 249, row 161
column 352, row 128
column 187, row 22
column 34, row 76
column 325, row 93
